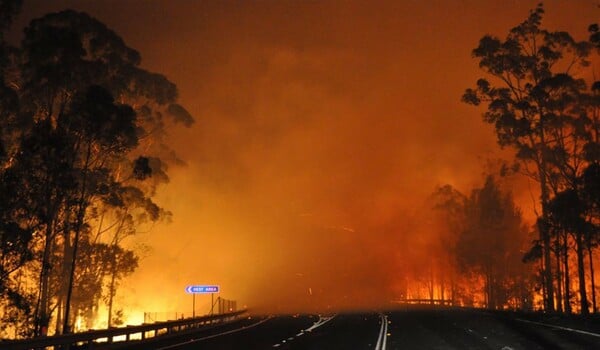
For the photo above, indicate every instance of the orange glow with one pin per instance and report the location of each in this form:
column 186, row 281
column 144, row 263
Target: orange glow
column 321, row 129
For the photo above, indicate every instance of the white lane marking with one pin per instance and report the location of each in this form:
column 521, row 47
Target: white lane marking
column 173, row 346
column 559, row 327
column 276, row 345
column 319, row 323
column 383, row 334
column 507, row 348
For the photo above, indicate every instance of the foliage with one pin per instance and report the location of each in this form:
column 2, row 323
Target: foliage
column 82, row 150
column 540, row 106
column 488, row 235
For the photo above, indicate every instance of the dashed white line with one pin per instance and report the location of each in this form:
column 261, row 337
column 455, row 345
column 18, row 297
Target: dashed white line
column 173, row 346
column 559, row 327
column 319, row 323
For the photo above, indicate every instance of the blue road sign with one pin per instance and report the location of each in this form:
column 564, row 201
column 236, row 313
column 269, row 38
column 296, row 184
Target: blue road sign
column 201, row 289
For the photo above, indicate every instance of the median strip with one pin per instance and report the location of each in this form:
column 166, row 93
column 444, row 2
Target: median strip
column 382, row 339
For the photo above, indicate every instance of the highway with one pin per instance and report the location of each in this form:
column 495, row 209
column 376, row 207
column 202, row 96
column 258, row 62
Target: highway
column 444, row 329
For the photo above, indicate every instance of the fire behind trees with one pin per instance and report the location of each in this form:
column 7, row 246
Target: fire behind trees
column 82, row 150
column 542, row 98
column 482, row 242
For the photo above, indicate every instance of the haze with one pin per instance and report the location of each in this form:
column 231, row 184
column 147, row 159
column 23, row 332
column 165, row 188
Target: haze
column 321, row 129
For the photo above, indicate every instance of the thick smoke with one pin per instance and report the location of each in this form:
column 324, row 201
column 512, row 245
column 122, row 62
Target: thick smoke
column 321, row 129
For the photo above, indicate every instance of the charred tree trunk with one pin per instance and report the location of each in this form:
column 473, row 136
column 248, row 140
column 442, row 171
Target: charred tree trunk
column 559, row 297
column 79, row 227
column 66, row 258
column 431, row 285
column 581, row 275
column 591, row 257
column 567, row 278
column 488, row 290
column 541, row 271
column 43, row 318
column 452, row 289
column 111, row 292
column 59, row 311
column 545, row 237
column 442, row 286
column 547, row 272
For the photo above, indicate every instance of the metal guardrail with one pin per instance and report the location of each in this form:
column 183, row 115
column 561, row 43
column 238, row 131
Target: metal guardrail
column 446, row 302
column 94, row 339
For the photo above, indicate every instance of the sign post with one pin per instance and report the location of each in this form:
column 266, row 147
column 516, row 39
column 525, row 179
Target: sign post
column 201, row 289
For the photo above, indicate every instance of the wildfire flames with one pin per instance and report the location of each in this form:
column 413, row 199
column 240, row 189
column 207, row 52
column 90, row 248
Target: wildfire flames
column 304, row 156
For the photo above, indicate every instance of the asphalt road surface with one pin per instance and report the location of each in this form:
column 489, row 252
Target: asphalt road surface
column 443, row 329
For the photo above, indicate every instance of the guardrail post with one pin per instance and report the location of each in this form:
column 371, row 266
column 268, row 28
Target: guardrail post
column 91, row 337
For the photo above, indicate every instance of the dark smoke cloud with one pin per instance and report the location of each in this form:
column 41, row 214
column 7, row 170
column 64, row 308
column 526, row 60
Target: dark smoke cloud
column 321, row 127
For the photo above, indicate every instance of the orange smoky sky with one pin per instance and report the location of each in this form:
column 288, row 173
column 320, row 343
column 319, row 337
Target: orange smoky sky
column 322, row 126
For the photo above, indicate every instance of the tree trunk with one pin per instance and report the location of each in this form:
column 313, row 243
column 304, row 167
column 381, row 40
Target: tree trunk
column 452, row 289
column 67, row 251
column 544, row 231
column 43, row 314
column 559, row 297
column 567, row 288
column 78, row 229
column 591, row 257
column 442, row 286
column 581, row 275
column 548, row 280
column 431, row 285
column 541, row 270
column 59, row 316
column 111, row 291
column 488, row 299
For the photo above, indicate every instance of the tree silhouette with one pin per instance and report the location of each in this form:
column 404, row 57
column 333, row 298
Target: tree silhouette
column 535, row 103
column 449, row 203
column 491, row 242
column 83, row 142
